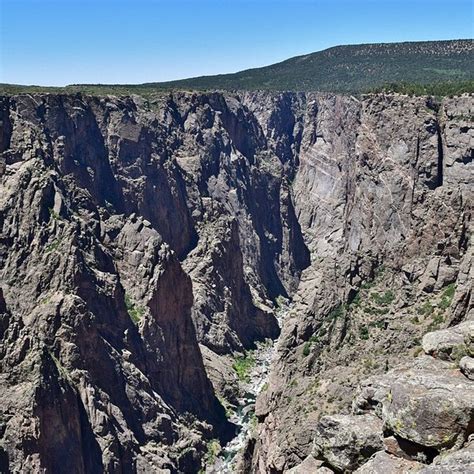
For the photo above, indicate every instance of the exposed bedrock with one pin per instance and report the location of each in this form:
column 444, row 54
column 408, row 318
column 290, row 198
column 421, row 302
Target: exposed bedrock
column 135, row 231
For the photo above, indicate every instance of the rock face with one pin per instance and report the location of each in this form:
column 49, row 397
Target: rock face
column 345, row 442
column 135, row 231
column 384, row 204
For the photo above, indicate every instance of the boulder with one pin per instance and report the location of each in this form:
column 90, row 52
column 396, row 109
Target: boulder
column 466, row 364
column 430, row 403
column 450, row 343
column 309, row 465
column 386, row 463
column 346, row 441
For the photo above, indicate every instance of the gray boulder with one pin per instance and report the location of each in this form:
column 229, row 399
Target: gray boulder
column 346, row 441
column 386, row 463
column 450, row 343
column 309, row 465
column 430, row 403
column 466, row 364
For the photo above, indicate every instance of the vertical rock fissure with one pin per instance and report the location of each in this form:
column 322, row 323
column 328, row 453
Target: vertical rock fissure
column 439, row 181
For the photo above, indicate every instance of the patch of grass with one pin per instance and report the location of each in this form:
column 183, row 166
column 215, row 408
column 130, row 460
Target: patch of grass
column 135, row 312
column 458, row 352
column 425, row 309
column 380, row 324
column 447, row 297
column 369, row 363
column 280, row 301
column 437, row 319
column 367, row 285
column 415, row 320
column 356, row 301
column 377, row 311
column 418, row 350
column 243, row 365
column 384, row 299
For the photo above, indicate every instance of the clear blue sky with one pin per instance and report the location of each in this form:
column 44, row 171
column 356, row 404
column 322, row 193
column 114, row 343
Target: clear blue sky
column 58, row 42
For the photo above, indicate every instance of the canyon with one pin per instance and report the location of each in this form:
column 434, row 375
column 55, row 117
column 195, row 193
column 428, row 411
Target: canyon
column 167, row 259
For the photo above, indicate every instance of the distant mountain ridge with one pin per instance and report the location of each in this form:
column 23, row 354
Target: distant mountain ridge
column 447, row 67
column 352, row 68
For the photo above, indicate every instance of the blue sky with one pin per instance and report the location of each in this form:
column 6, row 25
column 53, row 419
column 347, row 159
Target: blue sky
column 58, row 42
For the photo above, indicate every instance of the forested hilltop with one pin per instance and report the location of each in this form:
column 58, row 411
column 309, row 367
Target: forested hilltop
column 429, row 67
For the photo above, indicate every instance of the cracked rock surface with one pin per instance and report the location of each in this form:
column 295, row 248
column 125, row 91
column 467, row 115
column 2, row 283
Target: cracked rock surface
column 145, row 243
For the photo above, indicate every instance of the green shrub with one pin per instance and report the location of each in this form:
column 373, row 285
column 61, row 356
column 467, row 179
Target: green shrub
column 306, row 349
column 383, row 300
column 54, row 215
column 280, row 301
column 53, row 246
column 458, row 352
column 364, row 332
column 426, row 309
column 135, row 312
column 213, row 450
column 337, row 312
column 242, row 366
column 447, row 297
column 356, row 301
column 377, row 324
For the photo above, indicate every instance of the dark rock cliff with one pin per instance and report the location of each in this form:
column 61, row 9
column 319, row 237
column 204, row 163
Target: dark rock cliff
column 134, row 230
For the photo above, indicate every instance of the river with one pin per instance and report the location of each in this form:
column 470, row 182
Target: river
column 244, row 414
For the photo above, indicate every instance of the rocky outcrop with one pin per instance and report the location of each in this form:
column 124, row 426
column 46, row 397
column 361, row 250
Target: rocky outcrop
column 345, row 442
column 137, row 230
column 425, row 411
column 457, row 461
column 450, row 343
column 387, row 463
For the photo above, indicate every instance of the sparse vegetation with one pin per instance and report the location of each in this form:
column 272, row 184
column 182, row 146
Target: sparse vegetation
column 437, row 319
column 135, row 312
column 458, row 352
column 213, row 450
column 337, row 312
column 306, row 349
column 53, row 246
column 280, row 301
column 243, row 365
column 364, row 332
column 54, row 215
column 229, row 409
column 425, row 309
column 447, row 297
column 415, row 320
column 448, row 88
column 384, row 299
